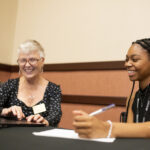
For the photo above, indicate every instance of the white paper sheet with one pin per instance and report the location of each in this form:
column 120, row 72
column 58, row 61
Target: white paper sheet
column 69, row 134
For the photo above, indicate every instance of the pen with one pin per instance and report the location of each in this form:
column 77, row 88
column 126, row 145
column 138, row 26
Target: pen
column 102, row 110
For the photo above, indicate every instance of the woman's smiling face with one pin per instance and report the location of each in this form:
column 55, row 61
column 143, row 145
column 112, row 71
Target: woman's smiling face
column 30, row 64
column 138, row 63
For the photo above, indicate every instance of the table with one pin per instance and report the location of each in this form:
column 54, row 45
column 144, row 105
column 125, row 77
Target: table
column 21, row 138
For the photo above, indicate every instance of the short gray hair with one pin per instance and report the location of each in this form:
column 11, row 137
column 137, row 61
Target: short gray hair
column 31, row 45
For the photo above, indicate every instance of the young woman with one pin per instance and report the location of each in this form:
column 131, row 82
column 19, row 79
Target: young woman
column 138, row 119
column 31, row 96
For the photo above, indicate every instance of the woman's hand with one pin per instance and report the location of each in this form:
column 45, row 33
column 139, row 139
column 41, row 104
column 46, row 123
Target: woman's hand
column 37, row 118
column 89, row 126
column 15, row 111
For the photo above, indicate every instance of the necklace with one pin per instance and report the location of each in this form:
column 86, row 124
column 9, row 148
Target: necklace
column 31, row 97
column 28, row 99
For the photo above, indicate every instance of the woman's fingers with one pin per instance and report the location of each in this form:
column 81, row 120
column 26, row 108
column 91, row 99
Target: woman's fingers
column 17, row 111
column 79, row 112
column 13, row 111
column 82, row 124
column 89, row 126
column 30, row 118
column 41, row 119
column 37, row 118
column 5, row 111
column 80, row 116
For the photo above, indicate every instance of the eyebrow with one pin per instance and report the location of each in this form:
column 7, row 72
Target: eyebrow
column 133, row 55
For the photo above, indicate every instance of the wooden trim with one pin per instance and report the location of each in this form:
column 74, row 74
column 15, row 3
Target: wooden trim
column 14, row 68
column 94, row 100
column 5, row 67
column 86, row 66
column 109, row 65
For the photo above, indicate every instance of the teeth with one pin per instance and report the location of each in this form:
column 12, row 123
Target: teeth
column 131, row 71
column 28, row 70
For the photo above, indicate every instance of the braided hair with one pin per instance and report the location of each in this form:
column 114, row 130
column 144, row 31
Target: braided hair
column 144, row 43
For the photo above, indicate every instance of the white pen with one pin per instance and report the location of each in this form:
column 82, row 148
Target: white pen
column 102, row 110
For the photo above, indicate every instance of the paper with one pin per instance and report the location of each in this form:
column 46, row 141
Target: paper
column 69, row 134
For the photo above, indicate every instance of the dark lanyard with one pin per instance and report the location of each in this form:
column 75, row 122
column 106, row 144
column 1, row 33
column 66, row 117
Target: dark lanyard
column 146, row 108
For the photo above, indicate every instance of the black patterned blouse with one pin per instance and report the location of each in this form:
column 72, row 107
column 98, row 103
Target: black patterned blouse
column 51, row 99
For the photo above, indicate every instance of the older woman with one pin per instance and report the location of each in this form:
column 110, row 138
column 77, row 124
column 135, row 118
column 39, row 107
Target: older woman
column 31, row 96
column 138, row 113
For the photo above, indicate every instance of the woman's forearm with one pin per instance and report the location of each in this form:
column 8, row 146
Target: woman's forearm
column 131, row 130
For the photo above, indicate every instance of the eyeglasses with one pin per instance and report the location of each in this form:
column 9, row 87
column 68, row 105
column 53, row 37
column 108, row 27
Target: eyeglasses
column 31, row 61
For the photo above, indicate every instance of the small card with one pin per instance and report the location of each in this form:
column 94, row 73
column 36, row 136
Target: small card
column 39, row 108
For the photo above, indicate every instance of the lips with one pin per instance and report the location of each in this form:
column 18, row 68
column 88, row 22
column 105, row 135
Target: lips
column 28, row 71
column 131, row 72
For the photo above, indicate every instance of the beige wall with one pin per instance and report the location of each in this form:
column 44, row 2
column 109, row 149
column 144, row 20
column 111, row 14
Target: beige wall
column 73, row 30
column 8, row 10
column 82, row 30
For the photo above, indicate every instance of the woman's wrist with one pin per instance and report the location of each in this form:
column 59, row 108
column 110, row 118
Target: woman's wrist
column 110, row 129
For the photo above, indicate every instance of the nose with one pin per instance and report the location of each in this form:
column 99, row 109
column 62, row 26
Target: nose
column 27, row 64
column 128, row 64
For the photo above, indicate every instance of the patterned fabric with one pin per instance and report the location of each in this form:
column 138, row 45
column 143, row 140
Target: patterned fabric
column 143, row 96
column 51, row 99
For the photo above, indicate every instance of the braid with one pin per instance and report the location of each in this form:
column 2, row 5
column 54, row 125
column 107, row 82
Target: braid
column 145, row 43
